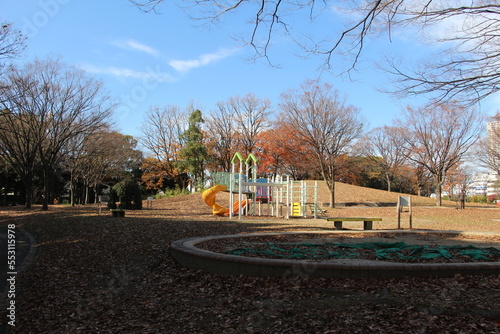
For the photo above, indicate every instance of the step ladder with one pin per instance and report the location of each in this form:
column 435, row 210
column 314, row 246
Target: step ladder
column 316, row 209
column 296, row 209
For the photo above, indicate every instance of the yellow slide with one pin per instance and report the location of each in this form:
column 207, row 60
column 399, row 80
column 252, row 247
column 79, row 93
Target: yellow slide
column 209, row 198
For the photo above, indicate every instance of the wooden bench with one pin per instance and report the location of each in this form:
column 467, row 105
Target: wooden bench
column 367, row 222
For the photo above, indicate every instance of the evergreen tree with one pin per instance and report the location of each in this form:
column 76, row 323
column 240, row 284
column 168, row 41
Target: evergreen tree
column 194, row 153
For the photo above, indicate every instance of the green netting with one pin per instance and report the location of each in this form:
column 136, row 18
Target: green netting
column 381, row 250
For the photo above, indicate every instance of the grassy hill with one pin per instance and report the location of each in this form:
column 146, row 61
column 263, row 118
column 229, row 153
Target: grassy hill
column 347, row 193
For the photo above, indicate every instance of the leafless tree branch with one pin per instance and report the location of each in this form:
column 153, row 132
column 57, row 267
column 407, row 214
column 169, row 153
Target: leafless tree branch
column 468, row 69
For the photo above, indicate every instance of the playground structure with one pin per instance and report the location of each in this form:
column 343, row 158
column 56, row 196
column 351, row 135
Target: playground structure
column 279, row 197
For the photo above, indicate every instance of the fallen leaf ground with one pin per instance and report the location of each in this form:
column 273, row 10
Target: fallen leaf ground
column 98, row 274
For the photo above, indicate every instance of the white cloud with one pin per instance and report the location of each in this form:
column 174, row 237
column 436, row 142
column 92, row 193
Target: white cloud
column 203, row 60
column 131, row 44
column 148, row 74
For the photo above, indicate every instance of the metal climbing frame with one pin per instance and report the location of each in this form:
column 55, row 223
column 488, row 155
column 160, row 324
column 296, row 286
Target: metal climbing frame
column 301, row 198
column 280, row 193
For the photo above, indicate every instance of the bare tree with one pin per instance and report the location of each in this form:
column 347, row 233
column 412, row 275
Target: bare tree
column 73, row 161
column 236, row 125
column 18, row 148
column 109, row 155
column 488, row 149
column 324, row 123
column 386, row 151
column 461, row 181
column 251, row 116
column 99, row 157
column 221, row 137
column 12, row 43
column 423, row 181
column 6, row 172
column 438, row 137
column 487, row 155
column 161, row 131
column 47, row 104
column 467, row 69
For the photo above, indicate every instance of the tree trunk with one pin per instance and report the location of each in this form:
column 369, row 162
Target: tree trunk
column 6, row 188
column 438, row 193
column 28, row 184
column 86, row 200
column 331, row 187
column 46, row 192
column 72, row 190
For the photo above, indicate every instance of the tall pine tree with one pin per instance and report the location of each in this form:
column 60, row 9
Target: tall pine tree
column 193, row 155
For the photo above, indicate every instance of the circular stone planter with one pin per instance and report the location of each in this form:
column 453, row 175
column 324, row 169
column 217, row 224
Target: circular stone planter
column 187, row 254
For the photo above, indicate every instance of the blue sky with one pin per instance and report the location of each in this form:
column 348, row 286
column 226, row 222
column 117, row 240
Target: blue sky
column 147, row 59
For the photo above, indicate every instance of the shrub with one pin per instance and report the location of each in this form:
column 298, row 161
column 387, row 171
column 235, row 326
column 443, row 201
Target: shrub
column 492, row 198
column 113, row 198
column 128, row 193
column 478, row 199
column 172, row 193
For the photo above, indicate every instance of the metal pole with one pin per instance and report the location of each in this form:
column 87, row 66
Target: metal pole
column 409, row 203
column 288, row 197
column 303, row 194
column 240, row 189
column 316, row 207
column 399, row 212
column 231, row 189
